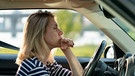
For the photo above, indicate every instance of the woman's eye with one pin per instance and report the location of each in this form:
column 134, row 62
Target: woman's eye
column 55, row 28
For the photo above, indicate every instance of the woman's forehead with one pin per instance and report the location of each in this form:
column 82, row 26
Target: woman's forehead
column 52, row 21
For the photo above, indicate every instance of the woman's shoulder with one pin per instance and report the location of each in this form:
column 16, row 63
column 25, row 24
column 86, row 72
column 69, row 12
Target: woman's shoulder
column 32, row 66
column 32, row 62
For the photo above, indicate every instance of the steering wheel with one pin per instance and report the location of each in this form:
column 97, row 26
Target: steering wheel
column 89, row 69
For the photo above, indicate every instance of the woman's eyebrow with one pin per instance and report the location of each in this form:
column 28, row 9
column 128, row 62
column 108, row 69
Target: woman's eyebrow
column 56, row 24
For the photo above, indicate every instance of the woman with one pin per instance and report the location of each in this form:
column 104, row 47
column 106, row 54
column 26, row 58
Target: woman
column 41, row 35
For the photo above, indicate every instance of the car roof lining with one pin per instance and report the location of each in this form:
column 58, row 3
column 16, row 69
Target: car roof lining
column 49, row 1
column 19, row 4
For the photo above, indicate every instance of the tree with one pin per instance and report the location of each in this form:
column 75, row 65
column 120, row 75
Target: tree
column 69, row 22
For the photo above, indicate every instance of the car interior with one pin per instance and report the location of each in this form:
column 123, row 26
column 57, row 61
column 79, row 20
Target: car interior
column 113, row 56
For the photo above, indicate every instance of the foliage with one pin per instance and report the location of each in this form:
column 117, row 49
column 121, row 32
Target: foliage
column 82, row 51
column 7, row 51
column 69, row 22
column 131, row 33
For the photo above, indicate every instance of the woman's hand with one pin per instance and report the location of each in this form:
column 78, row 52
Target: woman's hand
column 66, row 43
column 75, row 65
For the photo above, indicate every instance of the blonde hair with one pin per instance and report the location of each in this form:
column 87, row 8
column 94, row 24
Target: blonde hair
column 34, row 44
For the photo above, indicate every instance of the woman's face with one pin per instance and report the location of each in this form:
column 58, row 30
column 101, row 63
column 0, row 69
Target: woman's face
column 53, row 34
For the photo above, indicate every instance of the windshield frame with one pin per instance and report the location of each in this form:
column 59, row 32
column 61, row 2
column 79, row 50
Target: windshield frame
column 126, row 44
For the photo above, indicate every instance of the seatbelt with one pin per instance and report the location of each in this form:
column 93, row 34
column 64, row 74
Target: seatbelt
column 6, row 45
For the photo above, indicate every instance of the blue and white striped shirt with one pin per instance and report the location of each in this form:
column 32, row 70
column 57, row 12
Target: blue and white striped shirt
column 34, row 67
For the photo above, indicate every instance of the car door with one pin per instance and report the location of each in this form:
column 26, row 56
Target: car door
column 86, row 36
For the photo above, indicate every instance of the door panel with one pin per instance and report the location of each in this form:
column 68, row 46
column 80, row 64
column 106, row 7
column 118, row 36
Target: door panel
column 8, row 66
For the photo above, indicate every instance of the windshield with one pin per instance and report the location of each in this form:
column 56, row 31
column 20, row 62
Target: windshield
column 125, row 28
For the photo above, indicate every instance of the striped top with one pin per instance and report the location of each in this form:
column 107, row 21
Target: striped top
column 34, row 67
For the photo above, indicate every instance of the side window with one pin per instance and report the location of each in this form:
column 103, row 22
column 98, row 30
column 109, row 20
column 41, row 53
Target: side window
column 11, row 26
column 75, row 26
column 85, row 35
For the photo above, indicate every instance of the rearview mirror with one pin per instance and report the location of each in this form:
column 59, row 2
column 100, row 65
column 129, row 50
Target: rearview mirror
column 106, row 13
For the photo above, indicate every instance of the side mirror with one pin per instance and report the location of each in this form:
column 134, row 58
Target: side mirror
column 109, row 52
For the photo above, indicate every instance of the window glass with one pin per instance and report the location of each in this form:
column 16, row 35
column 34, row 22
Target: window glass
column 74, row 25
column 125, row 28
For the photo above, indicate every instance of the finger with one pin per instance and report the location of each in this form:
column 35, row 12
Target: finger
column 63, row 41
column 66, row 43
column 70, row 43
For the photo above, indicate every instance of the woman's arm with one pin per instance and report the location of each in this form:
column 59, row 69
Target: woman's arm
column 75, row 65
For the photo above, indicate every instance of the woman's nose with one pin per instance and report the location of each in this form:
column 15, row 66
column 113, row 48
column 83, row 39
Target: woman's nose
column 60, row 32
